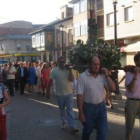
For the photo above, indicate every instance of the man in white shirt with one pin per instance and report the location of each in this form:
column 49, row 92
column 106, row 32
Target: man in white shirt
column 11, row 71
column 90, row 99
column 38, row 74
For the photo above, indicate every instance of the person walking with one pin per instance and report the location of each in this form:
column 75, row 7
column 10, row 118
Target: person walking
column 90, row 99
column 31, row 77
column 11, row 71
column 53, row 65
column 4, row 75
column 63, row 79
column 132, row 105
column 4, row 101
column 38, row 74
column 22, row 76
column 45, row 74
column 16, row 65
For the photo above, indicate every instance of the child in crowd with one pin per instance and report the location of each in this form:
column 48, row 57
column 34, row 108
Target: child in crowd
column 4, row 101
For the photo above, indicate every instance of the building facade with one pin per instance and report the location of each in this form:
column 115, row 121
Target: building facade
column 48, row 39
column 75, row 26
column 15, row 41
column 64, row 32
column 81, row 14
column 128, row 29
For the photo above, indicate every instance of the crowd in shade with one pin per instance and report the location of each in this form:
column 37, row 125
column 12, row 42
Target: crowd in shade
column 26, row 76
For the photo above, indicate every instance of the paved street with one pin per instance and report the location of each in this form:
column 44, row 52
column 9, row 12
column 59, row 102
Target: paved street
column 33, row 117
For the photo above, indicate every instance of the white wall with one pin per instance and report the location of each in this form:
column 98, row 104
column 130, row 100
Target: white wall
column 124, row 29
column 11, row 45
column 78, row 19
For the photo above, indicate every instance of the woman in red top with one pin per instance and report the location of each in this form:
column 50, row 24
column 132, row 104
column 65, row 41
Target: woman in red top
column 45, row 74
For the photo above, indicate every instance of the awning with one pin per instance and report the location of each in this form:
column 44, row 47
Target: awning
column 5, row 55
column 135, row 47
column 19, row 54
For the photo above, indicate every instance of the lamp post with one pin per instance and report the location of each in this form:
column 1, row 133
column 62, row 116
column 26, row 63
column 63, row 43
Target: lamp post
column 61, row 27
column 115, row 42
column 115, row 22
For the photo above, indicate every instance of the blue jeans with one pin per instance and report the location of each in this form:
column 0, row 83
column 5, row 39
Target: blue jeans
column 65, row 103
column 96, row 117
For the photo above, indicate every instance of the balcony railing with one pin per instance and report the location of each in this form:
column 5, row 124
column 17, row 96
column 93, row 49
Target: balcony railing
column 99, row 5
column 101, row 33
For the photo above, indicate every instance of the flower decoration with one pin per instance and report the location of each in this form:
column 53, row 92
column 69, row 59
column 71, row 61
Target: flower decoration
column 109, row 54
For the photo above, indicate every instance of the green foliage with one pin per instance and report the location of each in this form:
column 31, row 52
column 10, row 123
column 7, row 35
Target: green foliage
column 108, row 54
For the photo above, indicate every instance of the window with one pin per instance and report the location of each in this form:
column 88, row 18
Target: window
column 49, row 37
column 2, row 47
column 70, row 12
column 28, row 47
column 58, row 37
column 64, row 37
column 128, row 13
column 42, row 39
column 77, row 29
column 70, row 37
column 38, row 40
column 76, row 8
column 33, row 41
column 83, row 6
column 18, row 46
column 110, row 19
column 84, row 27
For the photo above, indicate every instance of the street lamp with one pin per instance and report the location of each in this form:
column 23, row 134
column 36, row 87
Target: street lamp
column 61, row 27
column 115, row 42
column 115, row 22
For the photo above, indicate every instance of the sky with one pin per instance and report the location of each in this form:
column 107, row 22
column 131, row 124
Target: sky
column 35, row 11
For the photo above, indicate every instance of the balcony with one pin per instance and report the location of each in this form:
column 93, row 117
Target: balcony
column 99, row 7
column 101, row 33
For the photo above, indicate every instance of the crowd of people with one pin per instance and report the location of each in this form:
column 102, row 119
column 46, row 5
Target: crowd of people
column 90, row 87
column 18, row 75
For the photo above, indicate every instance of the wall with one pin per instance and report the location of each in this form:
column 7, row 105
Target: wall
column 79, row 18
column 10, row 45
column 124, row 29
column 130, row 58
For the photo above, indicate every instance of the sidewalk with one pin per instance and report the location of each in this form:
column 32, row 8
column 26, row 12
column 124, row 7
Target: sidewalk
column 33, row 117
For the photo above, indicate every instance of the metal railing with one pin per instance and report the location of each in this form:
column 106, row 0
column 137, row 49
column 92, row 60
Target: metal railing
column 98, row 5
